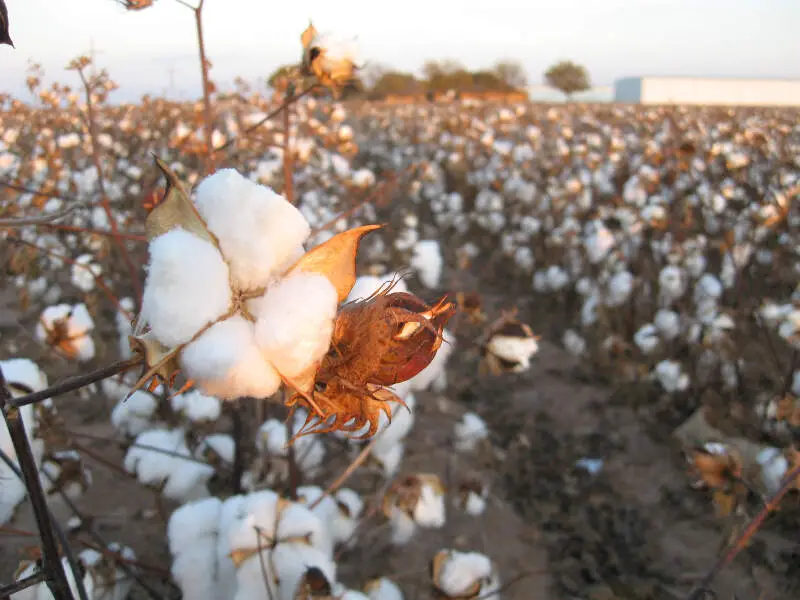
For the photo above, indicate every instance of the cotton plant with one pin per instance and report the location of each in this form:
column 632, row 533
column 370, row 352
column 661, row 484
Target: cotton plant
column 465, row 575
column 67, row 329
column 232, row 298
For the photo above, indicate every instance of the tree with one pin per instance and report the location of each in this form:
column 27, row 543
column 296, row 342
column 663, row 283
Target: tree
column 568, row 77
column 511, row 73
column 395, row 83
column 489, row 81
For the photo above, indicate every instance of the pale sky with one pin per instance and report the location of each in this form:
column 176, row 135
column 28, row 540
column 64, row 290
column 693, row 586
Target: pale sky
column 612, row 38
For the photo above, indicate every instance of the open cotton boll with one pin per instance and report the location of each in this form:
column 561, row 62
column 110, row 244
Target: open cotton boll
column 40, row 591
column 402, row 526
column 646, row 338
column 23, row 375
column 668, row 324
column 383, row 589
column 85, row 272
column 258, row 230
column 231, row 512
column 324, row 507
column 389, row 458
column 309, row 449
column 215, row 448
column 186, row 288
column 514, row 349
column 345, row 594
column 124, row 327
column 295, row 322
column 272, row 438
column 291, row 562
column 428, row 262
column 133, row 416
column 466, row 574
column 436, row 369
column 67, row 327
column 397, row 430
column 773, row 468
column 469, row 432
column 183, row 479
column 193, row 532
column 429, row 512
column 197, row 406
column 226, row 362
column 349, row 508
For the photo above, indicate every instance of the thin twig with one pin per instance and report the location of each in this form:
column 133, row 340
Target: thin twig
column 74, row 383
column 12, row 588
column 39, row 219
column 351, row 468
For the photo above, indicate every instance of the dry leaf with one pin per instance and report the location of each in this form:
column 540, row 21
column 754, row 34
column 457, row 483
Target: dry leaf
column 175, row 210
column 5, row 35
column 335, row 259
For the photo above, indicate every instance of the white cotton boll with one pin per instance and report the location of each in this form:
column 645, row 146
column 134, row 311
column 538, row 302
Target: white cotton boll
column 773, row 468
column 197, row 407
column 115, row 389
column 574, row 342
column 474, row 504
column 461, row 571
column 646, row 338
column 272, row 438
column 620, row 287
column 183, row 479
column 599, row 244
column 402, row 527
column 366, row 285
column 470, row 431
column 437, row 367
column 193, row 533
column 291, row 562
column 428, row 262
column 393, row 432
column 351, row 595
column 429, row 512
column 226, row 362
column 79, row 323
column 23, row 372
column 133, row 416
column 383, row 589
column 258, row 230
column 220, row 444
column 309, row 449
column 708, row 287
column 668, row 324
column 389, row 459
column 295, row 322
column 85, row 272
column 186, row 288
column 671, row 377
column 324, row 507
column 672, row 282
column 123, row 319
column 556, row 278
column 514, row 349
column 350, row 506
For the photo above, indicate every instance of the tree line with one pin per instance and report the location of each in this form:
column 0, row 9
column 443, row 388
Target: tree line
column 377, row 82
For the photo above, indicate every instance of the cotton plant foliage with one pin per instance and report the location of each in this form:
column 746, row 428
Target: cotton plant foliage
column 234, row 302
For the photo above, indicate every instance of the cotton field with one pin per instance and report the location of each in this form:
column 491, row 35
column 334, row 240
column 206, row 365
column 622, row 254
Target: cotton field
column 456, row 349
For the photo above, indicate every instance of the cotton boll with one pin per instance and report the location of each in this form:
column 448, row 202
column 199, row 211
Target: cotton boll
column 469, row 432
column 383, row 589
column 620, row 287
column 389, row 459
column 197, row 407
column 295, row 322
column 465, row 574
column 599, row 244
column 226, row 362
column 67, row 328
column 193, row 532
column 402, row 526
column 124, row 328
column 428, row 262
column 574, row 343
column 667, row 323
column 291, row 562
column 672, row 283
column 258, row 230
column 217, row 449
column 773, row 468
column 309, row 449
column 180, row 479
column 186, row 288
column 272, row 438
column 514, row 349
column 646, row 338
column 350, row 506
column 133, row 416
column 22, row 374
column 671, row 377
column 85, row 272
column 429, row 511
column 393, row 432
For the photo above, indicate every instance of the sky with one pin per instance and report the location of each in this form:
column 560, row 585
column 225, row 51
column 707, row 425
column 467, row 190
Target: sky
column 154, row 50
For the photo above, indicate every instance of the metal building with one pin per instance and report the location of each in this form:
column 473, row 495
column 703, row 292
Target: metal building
column 708, row 91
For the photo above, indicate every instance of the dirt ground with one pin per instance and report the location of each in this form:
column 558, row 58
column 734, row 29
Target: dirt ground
column 634, row 530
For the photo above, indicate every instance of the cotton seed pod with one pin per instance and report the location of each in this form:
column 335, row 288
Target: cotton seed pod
column 383, row 340
column 64, row 472
column 420, row 497
column 329, row 61
column 509, row 347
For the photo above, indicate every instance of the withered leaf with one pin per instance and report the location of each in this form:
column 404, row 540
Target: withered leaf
column 336, row 259
column 5, row 35
column 308, row 36
column 175, row 210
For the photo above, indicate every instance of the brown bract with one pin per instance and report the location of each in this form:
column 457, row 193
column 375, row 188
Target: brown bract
column 383, row 340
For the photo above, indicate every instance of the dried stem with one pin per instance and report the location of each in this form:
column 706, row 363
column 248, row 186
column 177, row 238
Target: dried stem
column 207, row 113
column 104, row 201
column 12, row 588
column 51, row 559
column 288, row 159
column 39, row 219
column 348, row 472
column 74, row 383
